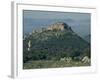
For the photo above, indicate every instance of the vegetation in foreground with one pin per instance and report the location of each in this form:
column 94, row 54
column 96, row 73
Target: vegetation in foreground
column 53, row 64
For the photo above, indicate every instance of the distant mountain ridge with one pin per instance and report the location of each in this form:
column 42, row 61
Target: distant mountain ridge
column 81, row 28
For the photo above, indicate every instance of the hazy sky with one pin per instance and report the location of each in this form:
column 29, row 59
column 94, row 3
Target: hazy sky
column 80, row 22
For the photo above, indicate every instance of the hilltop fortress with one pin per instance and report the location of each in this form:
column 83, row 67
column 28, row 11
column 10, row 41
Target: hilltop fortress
column 56, row 26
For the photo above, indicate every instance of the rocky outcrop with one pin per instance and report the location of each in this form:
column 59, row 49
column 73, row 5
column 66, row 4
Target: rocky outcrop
column 56, row 26
column 59, row 26
column 29, row 45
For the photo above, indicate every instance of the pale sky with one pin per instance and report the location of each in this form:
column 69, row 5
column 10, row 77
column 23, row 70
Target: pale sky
column 54, row 15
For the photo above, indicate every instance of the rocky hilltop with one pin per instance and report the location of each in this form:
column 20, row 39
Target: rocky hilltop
column 59, row 26
column 56, row 26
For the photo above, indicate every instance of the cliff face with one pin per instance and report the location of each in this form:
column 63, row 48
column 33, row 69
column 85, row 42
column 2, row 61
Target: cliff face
column 58, row 26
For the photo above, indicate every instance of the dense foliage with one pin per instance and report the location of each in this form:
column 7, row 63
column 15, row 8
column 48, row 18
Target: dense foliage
column 53, row 45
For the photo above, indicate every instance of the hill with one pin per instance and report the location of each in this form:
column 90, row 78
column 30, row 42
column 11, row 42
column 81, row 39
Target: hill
column 53, row 43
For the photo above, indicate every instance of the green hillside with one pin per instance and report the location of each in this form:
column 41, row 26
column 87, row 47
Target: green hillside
column 54, row 45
